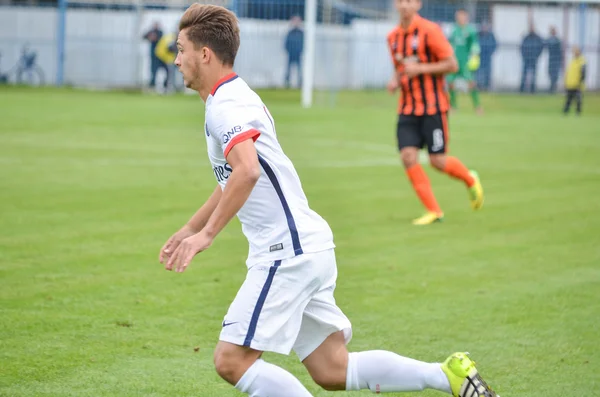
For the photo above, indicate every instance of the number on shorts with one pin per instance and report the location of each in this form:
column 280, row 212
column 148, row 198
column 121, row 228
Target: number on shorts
column 438, row 140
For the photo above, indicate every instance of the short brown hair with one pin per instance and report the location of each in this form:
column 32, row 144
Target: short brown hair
column 214, row 27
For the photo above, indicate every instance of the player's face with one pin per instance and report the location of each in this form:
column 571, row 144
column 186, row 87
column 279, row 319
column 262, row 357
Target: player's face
column 462, row 18
column 408, row 8
column 188, row 61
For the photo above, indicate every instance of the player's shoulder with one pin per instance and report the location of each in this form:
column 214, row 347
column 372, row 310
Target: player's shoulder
column 231, row 95
column 233, row 87
column 391, row 36
column 233, row 102
column 429, row 26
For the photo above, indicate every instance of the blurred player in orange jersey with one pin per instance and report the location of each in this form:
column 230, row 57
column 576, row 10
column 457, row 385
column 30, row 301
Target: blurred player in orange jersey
column 422, row 56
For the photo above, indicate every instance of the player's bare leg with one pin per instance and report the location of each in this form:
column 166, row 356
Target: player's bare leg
column 328, row 364
column 242, row 367
column 232, row 361
column 438, row 161
column 333, row 368
column 420, row 182
column 453, row 167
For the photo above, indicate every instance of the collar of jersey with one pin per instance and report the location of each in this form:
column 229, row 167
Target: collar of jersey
column 414, row 24
column 224, row 80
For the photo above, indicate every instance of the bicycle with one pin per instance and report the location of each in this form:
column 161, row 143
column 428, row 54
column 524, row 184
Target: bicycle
column 25, row 71
column 34, row 75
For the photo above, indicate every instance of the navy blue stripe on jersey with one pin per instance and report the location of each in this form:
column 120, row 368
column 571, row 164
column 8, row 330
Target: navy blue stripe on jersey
column 260, row 303
column 269, row 117
column 229, row 80
column 286, row 208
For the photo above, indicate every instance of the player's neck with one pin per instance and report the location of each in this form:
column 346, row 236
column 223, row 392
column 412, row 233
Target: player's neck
column 405, row 22
column 213, row 80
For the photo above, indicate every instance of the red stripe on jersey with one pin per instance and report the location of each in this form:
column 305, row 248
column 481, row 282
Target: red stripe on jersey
column 223, row 80
column 250, row 134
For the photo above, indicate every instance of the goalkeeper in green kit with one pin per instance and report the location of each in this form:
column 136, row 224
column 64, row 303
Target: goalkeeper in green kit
column 465, row 42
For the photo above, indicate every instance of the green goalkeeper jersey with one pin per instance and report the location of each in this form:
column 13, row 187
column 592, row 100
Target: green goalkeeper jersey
column 465, row 42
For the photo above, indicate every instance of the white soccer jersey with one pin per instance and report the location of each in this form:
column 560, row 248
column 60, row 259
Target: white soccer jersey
column 276, row 218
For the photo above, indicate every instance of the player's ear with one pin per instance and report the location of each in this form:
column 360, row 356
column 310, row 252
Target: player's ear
column 206, row 54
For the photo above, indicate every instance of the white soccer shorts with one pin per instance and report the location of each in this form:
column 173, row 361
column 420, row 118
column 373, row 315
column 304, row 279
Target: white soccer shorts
column 285, row 305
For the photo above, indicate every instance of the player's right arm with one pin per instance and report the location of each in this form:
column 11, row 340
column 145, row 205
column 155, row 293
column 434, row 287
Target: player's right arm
column 394, row 82
column 193, row 226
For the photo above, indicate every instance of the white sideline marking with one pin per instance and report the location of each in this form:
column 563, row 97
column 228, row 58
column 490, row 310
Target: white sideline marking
column 199, row 162
column 390, row 150
column 367, row 146
column 158, row 162
column 369, row 162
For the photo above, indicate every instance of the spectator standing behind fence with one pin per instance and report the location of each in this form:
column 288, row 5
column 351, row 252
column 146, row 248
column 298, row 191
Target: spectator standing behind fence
column 575, row 80
column 531, row 49
column 488, row 44
column 153, row 36
column 166, row 51
column 555, row 58
column 294, row 44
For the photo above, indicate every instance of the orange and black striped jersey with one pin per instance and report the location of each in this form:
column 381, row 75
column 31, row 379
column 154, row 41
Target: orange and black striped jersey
column 424, row 42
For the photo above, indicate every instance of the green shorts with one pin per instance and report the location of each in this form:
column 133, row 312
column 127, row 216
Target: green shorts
column 463, row 73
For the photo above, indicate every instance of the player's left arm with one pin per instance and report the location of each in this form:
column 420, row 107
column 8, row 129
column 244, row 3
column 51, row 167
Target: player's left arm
column 243, row 159
column 239, row 151
column 474, row 38
column 246, row 171
column 443, row 66
column 442, row 50
column 474, row 50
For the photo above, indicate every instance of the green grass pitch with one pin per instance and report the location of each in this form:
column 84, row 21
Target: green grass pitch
column 92, row 184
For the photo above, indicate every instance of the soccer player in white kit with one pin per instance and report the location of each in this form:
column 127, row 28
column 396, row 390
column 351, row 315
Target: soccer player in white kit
column 287, row 300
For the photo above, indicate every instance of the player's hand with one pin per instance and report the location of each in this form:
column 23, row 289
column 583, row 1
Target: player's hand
column 186, row 251
column 393, row 85
column 412, row 69
column 172, row 243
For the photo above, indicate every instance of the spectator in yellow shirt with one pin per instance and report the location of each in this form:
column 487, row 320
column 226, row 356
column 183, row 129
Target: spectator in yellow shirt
column 166, row 51
column 575, row 80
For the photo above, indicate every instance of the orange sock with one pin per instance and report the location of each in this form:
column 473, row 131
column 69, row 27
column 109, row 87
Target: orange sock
column 422, row 187
column 456, row 169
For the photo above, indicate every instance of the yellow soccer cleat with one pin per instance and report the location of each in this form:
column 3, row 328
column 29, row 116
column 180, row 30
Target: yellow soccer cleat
column 429, row 218
column 476, row 192
column 464, row 378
